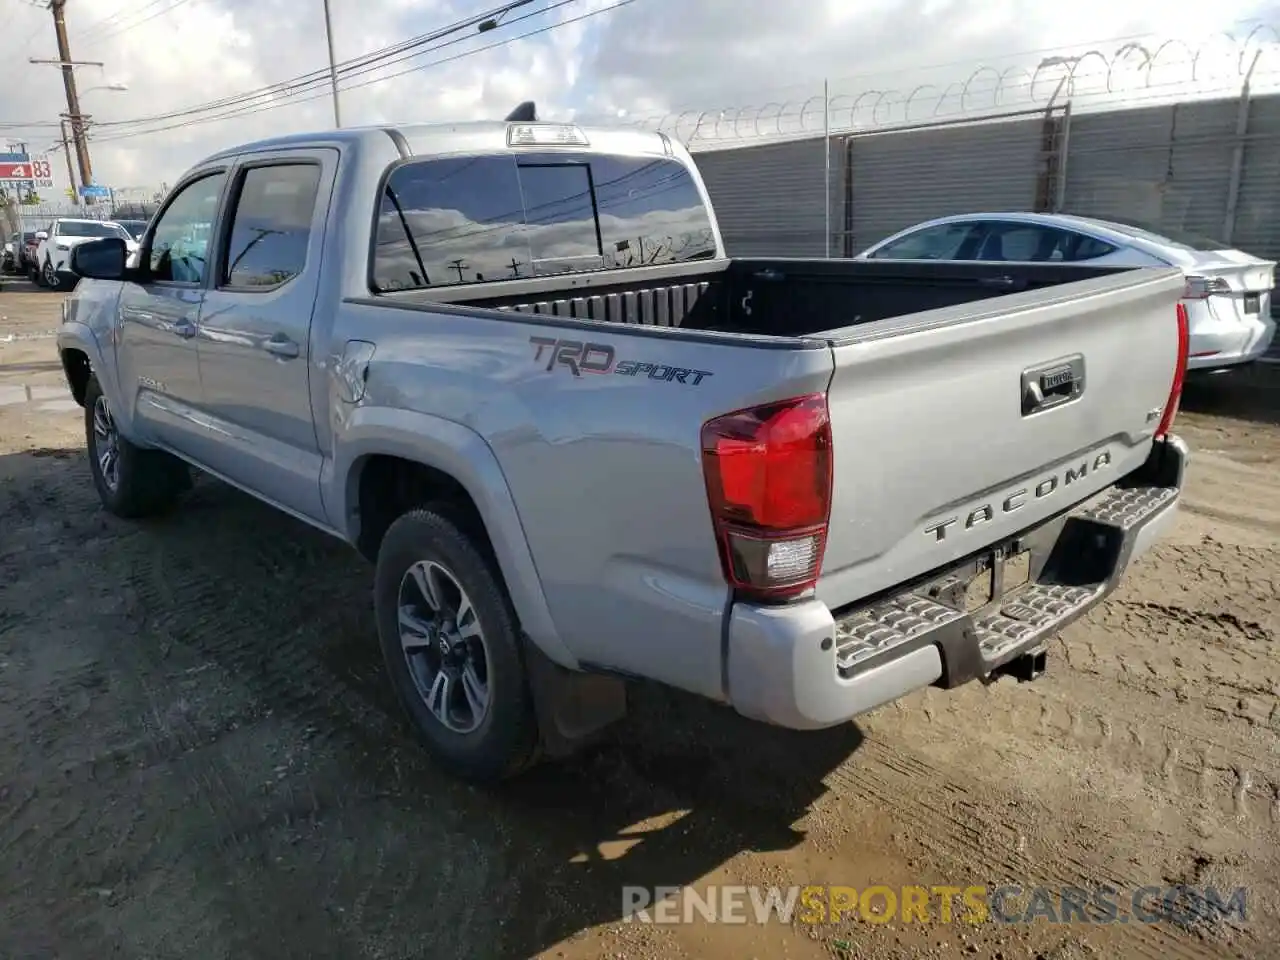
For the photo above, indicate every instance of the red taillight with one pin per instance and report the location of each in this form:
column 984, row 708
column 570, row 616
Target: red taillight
column 768, row 473
column 1179, row 374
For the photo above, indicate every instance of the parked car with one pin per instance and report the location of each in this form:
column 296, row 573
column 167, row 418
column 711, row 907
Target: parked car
column 780, row 484
column 1227, row 295
column 53, row 255
column 25, row 256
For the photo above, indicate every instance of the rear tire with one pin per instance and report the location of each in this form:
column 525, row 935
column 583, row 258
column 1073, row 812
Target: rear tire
column 452, row 647
column 131, row 481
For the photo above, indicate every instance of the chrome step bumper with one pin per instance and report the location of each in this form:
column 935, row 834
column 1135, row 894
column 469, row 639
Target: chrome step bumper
column 1077, row 559
column 804, row 666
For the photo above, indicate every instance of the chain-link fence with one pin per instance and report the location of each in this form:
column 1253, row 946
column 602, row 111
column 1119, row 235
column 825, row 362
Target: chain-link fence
column 39, row 216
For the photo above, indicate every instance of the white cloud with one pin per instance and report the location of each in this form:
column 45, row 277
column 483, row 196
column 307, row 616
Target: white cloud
column 647, row 58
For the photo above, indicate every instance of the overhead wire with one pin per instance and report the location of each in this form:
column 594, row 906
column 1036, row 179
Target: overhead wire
column 314, row 79
column 112, row 23
column 126, row 27
column 239, row 113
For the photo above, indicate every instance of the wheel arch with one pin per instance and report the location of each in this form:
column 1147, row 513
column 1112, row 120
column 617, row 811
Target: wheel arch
column 81, row 354
column 389, row 461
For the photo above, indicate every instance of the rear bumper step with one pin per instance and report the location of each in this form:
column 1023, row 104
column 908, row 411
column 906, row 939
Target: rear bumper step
column 801, row 666
column 1075, row 561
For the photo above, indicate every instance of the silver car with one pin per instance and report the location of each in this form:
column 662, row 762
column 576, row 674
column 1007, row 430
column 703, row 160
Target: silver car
column 1228, row 294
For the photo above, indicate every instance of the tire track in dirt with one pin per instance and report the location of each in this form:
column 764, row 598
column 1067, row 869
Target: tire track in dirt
column 975, row 832
column 177, row 611
column 957, row 826
column 59, row 538
column 1179, row 757
column 1225, row 776
column 1186, row 638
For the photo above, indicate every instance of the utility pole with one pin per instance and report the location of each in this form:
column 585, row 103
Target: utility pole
column 69, row 84
column 333, row 66
column 66, row 151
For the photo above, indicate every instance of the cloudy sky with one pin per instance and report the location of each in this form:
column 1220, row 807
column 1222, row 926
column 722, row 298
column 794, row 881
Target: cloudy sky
column 644, row 57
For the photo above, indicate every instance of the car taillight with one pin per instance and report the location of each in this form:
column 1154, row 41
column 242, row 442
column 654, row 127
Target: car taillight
column 1179, row 374
column 1200, row 287
column 768, row 475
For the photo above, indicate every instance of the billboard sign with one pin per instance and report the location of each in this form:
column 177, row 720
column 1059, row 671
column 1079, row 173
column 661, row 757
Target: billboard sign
column 21, row 170
column 25, row 175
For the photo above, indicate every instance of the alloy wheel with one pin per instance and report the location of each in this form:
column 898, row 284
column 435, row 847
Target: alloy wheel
column 106, row 443
column 444, row 646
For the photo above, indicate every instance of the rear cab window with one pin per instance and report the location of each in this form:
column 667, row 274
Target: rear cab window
column 477, row 219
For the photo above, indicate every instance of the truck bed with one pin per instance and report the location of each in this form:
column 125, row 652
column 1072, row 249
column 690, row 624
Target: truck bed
column 926, row 369
column 767, row 297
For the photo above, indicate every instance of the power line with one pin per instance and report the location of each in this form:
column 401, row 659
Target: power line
column 126, row 27
column 26, row 44
column 306, row 82
column 111, row 20
column 294, row 99
column 434, row 63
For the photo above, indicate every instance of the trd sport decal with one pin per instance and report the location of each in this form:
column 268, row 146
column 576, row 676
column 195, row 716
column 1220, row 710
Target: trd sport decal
column 599, row 358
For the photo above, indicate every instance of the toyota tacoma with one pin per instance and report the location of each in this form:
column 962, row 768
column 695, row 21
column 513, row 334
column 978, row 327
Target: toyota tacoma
column 512, row 365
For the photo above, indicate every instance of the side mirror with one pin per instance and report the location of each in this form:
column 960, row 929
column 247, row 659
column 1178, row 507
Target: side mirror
column 100, row 259
column 42, row 235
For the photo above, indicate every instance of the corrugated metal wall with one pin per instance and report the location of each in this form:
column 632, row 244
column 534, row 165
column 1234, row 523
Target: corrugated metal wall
column 902, row 178
column 1162, row 165
column 769, row 198
column 1168, row 165
column 1257, row 226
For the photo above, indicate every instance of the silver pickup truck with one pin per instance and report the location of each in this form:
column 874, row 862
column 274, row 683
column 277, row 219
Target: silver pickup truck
column 512, row 365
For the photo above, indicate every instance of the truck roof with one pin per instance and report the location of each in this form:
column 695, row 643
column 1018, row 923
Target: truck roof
column 466, row 136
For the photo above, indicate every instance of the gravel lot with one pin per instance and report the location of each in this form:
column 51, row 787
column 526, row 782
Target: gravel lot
column 199, row 756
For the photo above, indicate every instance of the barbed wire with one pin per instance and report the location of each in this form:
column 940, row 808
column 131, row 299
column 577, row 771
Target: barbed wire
column 1123, row 75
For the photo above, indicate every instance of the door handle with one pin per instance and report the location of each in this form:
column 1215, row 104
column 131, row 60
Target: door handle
column 282, row 347
column 1004, row 283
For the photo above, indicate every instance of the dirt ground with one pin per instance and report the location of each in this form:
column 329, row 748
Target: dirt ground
column 199, row 756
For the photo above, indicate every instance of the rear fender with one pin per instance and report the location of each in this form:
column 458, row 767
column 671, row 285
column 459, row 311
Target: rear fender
column 463, row 454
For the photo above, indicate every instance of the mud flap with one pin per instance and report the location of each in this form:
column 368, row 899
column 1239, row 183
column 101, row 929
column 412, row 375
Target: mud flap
column 573, row 709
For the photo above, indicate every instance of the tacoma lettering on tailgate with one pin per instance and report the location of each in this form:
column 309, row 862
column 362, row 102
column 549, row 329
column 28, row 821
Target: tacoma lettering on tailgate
column 1015, row 500
column 599, row 358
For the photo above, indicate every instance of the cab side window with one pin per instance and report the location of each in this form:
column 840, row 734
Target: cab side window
column 180, row 241
column 271, row 226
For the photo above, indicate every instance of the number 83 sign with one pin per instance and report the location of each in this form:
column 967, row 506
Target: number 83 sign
column 37, row 170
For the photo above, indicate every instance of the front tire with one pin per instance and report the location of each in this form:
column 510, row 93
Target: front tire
column 452, row 647
column 131, row 481
column 49, row 275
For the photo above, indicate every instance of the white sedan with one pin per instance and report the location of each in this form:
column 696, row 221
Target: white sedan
column 1228, row 294
column 53, row 256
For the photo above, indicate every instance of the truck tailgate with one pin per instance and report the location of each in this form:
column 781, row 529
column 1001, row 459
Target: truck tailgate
column 954, row 430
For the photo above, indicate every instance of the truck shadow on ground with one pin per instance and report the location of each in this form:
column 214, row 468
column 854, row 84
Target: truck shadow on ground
column 250, row 776
column 1252, row 393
